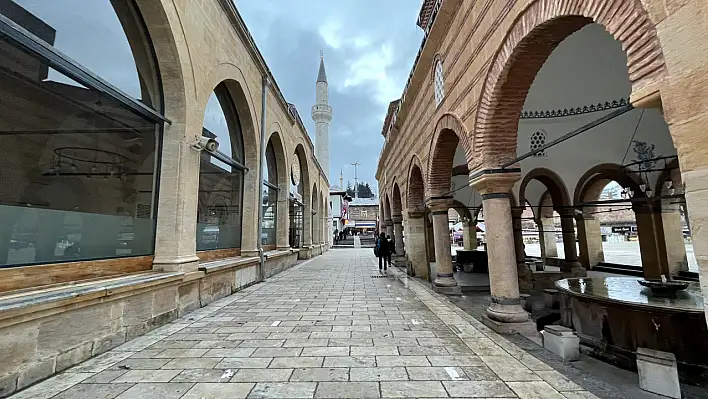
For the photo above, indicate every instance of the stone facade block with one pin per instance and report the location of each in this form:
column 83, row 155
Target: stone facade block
column 74, row 356
column 562, row 341
column 658, row 373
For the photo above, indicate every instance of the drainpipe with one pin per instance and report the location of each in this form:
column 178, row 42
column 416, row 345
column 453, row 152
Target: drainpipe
column 264, row 90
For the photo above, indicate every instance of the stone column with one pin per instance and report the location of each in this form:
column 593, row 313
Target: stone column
column 652, row 244
column 389, row 228
column 176, row 231
column 547, row 236
column 307, row 226
column 282, row 227
column 469, row 234
column 415, row 238
column 589, row 240
column 505, row 306
column 398, row 239
column 430, row 240
column 673, row 234
column 569, row 241
column 445, row 282
column 525, row 274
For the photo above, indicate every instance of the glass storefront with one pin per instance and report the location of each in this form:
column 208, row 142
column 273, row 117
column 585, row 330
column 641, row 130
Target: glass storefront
column 78, row 174
column 219, row 213
column 270, row 198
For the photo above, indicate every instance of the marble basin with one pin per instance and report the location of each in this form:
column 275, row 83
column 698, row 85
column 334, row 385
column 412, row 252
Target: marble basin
column 613, row 316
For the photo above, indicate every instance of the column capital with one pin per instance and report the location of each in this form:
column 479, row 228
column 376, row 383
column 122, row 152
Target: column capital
column 494, row 182
column 416, row 213
column 397, row 219
column 516, row 212
column 439, row 204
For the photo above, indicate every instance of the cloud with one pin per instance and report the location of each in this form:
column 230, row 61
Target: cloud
column 369, row 49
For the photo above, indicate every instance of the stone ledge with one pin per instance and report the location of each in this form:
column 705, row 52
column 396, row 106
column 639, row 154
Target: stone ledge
column 30, row 303
column 238, row 262
column 277, row 253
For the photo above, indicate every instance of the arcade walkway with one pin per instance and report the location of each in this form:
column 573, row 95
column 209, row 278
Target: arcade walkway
column 324, row 329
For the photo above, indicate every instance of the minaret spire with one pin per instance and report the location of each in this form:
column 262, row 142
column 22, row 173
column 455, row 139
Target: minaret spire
column 322, row 115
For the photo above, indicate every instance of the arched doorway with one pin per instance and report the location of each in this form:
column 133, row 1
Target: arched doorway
column 416, row 245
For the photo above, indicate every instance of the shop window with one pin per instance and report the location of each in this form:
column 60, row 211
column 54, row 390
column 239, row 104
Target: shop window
column 78, row 171
column 270, row 199
column 219, row 214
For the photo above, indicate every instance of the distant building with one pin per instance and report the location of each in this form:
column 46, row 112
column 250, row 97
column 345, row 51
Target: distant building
column 363, row 214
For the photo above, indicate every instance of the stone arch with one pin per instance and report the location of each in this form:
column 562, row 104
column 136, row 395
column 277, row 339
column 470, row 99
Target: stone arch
column 415, row 195
column 281, row 160
column 553, row 183
column 301, row 156
column 387, row 208
column 243, row 100
column 462, row 209
column 449, row 132
column 396, row 203
column 592, row 182
column 530, row 41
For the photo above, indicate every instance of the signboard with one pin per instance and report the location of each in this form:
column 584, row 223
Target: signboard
column 621, row 229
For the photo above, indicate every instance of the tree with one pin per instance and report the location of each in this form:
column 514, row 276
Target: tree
column 365, row 190
column 350, row 190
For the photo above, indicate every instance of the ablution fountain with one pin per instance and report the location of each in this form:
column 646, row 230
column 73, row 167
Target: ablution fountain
column 613, row 316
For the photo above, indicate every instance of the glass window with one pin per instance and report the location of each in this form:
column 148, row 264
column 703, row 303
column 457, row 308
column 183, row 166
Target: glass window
column 78, row 170
column 219, row 213
column 270, row 197
column 107, row 37
column 439, row 83
column 296, row 205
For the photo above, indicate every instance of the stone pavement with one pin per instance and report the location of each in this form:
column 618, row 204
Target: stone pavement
column 323, row 329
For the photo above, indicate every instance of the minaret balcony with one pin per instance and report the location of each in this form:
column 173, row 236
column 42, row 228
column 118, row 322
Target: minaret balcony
column 321, row 112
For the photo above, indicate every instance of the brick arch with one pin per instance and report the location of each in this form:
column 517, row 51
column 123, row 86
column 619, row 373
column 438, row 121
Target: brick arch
column 527, row 45
column 415, row 195
column 396, row 200
column 449, row 133
column 553, row 183
column 387, row 207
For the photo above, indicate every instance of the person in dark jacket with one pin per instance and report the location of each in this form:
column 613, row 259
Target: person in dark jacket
column 391, row 249
column 383, row 250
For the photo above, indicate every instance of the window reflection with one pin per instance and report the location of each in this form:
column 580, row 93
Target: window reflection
column 107, row 37
column 270, row 197
column 219, row 213
column 77, row 174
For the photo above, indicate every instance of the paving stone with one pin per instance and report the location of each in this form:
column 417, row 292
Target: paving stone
column 244, row 363
column 347, row 390
column 326, row 351
column 378, row 374
column 436, row 373
column 413, row 389
column 219, row 391
column 304, row 343
column 478, row 389
column 534, row 390
column 295, row 362
column 216, row 344
column 558, row 381
column 351, row 342
column 320, row 374
column 261, row 375
column 276, row 352
column 231, row 352
column 156, row 390
column 147, row 376
column 401, row 361
column 350, row 361
column 192, row 363
column 145, row 354
column 422, row 351
column 374, row 351
column 446, row 361
column 104, row 377
column 173, row 353
column 289, row 390
column 291, row 335
column 262, row 343
column 94, row 391
column 480, row 373
column 330, row 334
column 203, row 375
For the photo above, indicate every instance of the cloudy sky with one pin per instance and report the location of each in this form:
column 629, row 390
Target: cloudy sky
column 369, row 48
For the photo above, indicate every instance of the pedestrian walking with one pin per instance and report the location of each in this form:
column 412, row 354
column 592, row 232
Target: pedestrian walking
column 391, row 249
column 382, row 251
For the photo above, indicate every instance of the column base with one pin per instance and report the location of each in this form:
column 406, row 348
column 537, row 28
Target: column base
column 511, row 313
column 456, row 290
column 526, row 328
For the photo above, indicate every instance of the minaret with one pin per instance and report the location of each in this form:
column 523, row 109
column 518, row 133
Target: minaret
column 322, row 115
column 341, row 179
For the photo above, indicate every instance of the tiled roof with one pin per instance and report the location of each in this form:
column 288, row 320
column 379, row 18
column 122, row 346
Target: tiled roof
column 364, row 202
